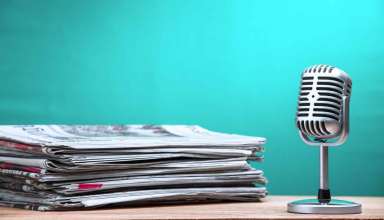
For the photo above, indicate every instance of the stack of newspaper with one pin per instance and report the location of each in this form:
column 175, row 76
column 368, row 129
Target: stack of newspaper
column 67, row 167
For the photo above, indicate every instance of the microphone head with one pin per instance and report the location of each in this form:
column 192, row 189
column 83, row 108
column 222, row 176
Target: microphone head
column 323, row 105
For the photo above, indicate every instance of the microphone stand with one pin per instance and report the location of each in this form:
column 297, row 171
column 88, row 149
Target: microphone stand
column 324, row 194
column 323, row 204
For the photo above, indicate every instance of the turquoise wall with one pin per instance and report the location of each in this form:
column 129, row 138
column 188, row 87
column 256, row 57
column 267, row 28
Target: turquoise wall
column 231, row 66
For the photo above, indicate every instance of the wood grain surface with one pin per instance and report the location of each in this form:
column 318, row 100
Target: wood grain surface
column 273, row 207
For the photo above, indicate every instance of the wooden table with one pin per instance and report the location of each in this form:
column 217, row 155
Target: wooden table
column 274, row 207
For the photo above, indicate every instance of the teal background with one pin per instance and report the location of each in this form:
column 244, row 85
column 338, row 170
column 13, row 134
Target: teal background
column 231, row 66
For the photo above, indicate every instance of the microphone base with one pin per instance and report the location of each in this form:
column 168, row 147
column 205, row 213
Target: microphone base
column 313, row 206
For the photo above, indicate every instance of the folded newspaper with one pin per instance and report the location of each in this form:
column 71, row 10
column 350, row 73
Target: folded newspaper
column 68, row 167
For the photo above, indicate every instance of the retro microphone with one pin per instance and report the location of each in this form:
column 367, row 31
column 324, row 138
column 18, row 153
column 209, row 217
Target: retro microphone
column 323, row 120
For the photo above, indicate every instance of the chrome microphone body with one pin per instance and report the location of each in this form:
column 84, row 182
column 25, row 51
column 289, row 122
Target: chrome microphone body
column 323, row 107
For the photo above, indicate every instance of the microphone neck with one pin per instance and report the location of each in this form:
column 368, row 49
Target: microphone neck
column 324, row 194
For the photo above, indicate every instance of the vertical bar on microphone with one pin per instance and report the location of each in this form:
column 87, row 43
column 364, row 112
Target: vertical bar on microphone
column 324, row 194
column 323, row 167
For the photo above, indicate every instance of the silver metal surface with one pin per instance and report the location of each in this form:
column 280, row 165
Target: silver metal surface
column 312, row 206
column 323, row 120
column 323, row 166
column 323, row 107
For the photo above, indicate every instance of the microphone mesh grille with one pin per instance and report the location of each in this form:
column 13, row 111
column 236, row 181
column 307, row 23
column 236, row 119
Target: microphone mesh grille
column 320, row 100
